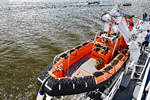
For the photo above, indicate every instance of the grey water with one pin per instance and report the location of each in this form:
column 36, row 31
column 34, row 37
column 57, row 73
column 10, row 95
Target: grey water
column 32, row 33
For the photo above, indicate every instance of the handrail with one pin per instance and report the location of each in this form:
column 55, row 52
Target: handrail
column 144, row 79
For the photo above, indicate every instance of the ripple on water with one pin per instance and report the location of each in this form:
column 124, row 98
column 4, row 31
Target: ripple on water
column 31, row 34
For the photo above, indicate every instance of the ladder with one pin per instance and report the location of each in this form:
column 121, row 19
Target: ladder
column 141, row 66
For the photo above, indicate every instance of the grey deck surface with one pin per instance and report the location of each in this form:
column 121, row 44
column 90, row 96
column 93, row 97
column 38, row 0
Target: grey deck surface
column 125, row 81
column 86, row 68
column 132, row 89
column 125, row 93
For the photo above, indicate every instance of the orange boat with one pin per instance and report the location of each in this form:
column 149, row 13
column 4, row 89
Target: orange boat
column 86, row 67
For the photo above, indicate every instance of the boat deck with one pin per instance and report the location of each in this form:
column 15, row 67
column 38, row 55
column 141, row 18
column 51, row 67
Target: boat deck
column 132, row 91
column 86, row 68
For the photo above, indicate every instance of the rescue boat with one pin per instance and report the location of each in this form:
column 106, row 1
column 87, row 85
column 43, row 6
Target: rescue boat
column 86, row 67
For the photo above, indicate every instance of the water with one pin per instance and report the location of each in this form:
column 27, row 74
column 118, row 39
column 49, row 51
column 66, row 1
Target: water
column 32, row 33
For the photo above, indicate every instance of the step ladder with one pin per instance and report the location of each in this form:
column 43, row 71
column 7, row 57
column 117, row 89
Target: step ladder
column 141, row 66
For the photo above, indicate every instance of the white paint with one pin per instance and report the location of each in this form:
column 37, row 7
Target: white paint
column 86, row 84
column 88, row 66
column 143, row 82
column 40, row 80
column 50, row 89
column 59, row 86
column 48, row 97
column 115, row 88
column 148, row 89
column 106, row 27
column 39, row 97
column 134, row 51
column 124, row 30
column 73, row 86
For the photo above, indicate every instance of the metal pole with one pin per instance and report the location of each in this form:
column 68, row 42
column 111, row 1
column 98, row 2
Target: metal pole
column 95, row 40
column 114, row 47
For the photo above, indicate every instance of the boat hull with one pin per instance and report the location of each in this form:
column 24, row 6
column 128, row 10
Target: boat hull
column 75, row 85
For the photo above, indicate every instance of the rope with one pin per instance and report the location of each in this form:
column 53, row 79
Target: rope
column 85, row 71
